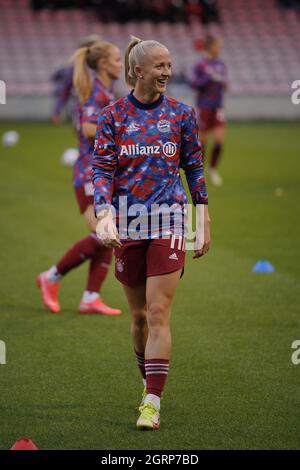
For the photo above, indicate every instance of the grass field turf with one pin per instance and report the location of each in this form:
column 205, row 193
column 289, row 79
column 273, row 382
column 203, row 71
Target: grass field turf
column 71, row 382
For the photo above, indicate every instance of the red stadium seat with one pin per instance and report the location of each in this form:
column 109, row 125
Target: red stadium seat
column 259, row 44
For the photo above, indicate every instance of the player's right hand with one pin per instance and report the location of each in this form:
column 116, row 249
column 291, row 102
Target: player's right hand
column 106, row 230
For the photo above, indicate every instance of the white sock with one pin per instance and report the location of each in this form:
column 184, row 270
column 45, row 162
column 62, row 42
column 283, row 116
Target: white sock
column 89, row 296
column 53, row 275
column 144, row 382
column 154, row 399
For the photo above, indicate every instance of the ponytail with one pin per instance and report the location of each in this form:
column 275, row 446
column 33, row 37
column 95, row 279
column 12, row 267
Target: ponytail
column 82, row 80
column 130, row 76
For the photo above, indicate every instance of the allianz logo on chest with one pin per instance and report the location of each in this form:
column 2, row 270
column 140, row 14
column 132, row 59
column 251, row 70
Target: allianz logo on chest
column 168, row 149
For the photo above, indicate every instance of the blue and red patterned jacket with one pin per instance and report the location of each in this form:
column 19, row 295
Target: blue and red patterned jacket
column 139, row 150
column 209, row 79
column 89, row 112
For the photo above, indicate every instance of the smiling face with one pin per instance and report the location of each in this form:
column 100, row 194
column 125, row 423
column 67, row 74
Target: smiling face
column 156, row 71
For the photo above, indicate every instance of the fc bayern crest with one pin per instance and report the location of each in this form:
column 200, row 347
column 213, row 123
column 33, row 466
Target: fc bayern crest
column 164, row 126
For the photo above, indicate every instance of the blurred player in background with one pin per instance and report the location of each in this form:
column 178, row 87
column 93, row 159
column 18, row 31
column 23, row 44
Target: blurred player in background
column 63, row 83
column 209, row 79
column 142, row 141
column 94, row 94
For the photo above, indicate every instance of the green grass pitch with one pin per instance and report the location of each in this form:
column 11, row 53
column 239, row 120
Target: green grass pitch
column 71, row 381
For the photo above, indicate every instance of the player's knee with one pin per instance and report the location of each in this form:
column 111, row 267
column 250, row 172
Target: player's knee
column 139, row 318
column 157, row 316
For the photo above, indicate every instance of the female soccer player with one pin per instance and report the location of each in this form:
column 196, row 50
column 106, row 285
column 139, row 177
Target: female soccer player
column 209, row 79
column 142, row 140
column 63, row 80
column 105, row 59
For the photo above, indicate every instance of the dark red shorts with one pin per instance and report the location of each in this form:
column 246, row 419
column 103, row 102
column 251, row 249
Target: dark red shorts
column 85, row 196
column 138, row 259
column 210, row 118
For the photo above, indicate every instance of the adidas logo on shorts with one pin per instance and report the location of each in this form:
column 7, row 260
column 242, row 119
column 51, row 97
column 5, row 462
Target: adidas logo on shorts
column 173, row 256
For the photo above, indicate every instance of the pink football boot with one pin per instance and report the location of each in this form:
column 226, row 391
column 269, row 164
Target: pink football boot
column 49, row 292
column 98, row 306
